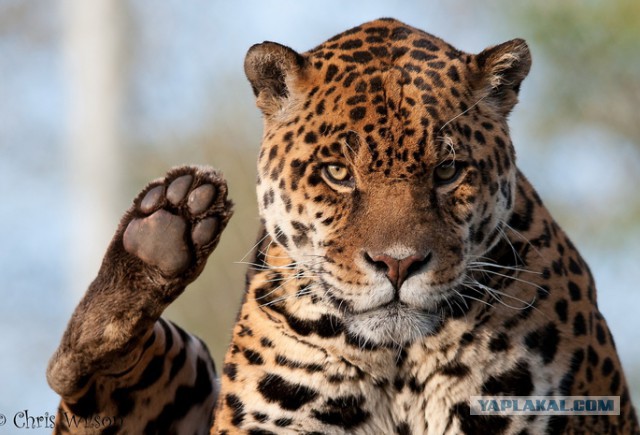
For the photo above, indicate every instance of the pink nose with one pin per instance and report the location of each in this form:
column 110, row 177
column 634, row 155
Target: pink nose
column 397, row 270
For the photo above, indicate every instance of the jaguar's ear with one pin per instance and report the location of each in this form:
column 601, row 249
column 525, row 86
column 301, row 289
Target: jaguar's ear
column 272, row 69
column 502, row 69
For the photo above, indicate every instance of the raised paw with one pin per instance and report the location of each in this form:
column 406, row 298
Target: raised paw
column 176, row 221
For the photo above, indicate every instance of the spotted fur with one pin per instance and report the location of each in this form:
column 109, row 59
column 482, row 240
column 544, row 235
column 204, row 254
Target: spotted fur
column 383, row 301
column 404, row 262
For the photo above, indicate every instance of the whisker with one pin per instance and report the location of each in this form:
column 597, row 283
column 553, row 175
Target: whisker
column 255, row 246
column 291, row 266
column 516, row 255
column 511, row 277
column 501, row 266
column 448, row 141
column 519, row 234
column 494, row 293
column 471, row 297
column 285, row 281
column 308, row 290
column 462, row 113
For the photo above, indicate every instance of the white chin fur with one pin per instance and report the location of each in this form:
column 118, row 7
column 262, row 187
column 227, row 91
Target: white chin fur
column 397, row 325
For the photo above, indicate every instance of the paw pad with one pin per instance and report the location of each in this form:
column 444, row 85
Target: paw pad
column 158, row 240
column 152, row 199
column 200, row 199
column 204, row 231
column 178, row 220
column 178, row 189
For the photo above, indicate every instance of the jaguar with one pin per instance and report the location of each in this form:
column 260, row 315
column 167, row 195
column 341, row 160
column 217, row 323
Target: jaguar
column 404, row 265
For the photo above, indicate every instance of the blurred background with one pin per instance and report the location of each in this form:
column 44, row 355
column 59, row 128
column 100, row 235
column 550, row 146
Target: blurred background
column 98, row 97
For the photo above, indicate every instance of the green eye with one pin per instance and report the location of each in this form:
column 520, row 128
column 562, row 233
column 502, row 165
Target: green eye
column 337, row 174
column 446, row 172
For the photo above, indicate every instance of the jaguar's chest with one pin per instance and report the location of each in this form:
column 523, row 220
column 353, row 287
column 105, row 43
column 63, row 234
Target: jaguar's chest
column 429, row 391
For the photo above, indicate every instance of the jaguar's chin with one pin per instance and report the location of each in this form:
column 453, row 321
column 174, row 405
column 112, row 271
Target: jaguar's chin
column 394, row 324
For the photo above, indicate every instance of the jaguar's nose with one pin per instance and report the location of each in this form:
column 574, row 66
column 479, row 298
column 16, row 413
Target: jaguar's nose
column 397, row 269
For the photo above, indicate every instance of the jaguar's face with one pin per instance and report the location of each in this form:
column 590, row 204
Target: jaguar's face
column 384, row 177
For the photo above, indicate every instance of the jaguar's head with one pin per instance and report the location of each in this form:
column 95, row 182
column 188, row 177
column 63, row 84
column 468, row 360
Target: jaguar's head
column 386, row 166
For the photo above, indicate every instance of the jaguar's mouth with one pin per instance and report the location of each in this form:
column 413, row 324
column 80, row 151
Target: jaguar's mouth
column 390, row 318
column 394, row 323
column 423, row 297
column 395, row 305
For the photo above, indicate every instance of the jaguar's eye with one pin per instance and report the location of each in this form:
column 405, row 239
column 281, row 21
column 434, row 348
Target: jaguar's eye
column 337, row 174
column 446, row 172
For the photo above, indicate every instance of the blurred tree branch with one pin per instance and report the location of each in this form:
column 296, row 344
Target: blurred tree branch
column 592, row 48
column 27, row 20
